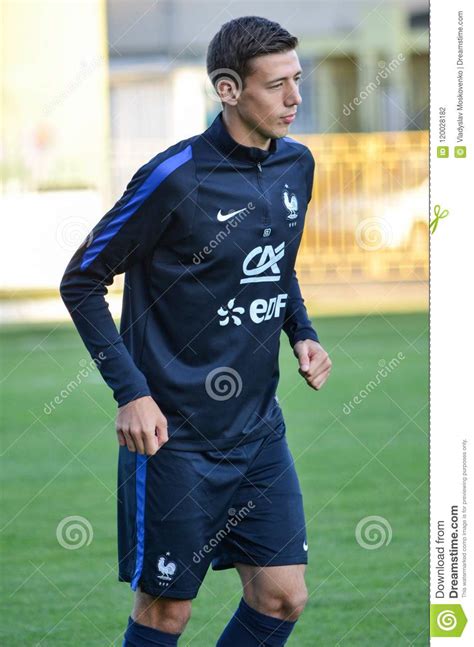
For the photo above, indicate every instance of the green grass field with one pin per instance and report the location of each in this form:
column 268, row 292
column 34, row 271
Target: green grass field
column 372, row 461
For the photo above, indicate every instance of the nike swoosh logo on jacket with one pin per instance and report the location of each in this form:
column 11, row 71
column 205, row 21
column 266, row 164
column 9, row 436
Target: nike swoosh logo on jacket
column 223, row 217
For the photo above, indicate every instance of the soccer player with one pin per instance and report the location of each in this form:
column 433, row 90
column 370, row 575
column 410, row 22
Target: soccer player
column 207, row 234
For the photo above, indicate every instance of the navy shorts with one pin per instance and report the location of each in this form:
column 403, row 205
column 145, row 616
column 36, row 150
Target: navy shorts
column 181, row 511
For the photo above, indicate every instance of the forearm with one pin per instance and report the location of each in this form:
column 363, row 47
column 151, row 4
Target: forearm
column 297, row 323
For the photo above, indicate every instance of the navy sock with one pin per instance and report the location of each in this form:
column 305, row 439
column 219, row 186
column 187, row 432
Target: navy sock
column 138, row 635
column 249, row 628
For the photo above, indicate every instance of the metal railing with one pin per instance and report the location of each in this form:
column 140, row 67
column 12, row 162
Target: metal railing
column 368, row 218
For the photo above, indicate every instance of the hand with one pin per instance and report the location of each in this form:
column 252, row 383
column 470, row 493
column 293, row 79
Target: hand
column 142, row 426
column 315, row 365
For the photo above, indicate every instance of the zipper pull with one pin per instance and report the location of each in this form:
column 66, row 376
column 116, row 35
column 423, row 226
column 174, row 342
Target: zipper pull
column 259, row 166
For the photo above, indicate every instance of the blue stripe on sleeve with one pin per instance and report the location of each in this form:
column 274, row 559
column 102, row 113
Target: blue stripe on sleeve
column 152, row 182
column 140, row 488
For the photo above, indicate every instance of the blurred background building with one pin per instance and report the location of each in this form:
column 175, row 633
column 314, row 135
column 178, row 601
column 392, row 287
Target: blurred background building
column 92, row 90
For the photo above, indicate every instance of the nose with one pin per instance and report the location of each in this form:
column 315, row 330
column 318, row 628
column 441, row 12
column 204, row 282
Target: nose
column 293, row 98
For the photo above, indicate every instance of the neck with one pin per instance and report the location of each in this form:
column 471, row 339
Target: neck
column 242, row 134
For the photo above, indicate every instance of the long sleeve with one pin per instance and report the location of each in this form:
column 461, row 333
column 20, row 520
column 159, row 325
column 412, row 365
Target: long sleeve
column 124, row 236
column 297, row 323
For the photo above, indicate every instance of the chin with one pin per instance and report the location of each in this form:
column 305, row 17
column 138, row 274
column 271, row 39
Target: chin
column 277, row 131
column 282, row 130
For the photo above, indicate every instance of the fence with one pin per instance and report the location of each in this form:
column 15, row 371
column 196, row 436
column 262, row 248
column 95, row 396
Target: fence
column 368, row 219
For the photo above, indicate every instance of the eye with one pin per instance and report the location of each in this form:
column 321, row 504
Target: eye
column 274, row 87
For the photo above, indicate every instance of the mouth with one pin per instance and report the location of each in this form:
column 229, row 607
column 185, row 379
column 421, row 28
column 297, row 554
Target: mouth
column 289, row 118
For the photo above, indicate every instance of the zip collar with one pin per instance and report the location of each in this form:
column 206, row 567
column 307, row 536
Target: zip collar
column 221, row 138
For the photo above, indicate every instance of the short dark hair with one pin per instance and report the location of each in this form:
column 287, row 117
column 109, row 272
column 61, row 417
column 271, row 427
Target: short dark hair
column 240, row 40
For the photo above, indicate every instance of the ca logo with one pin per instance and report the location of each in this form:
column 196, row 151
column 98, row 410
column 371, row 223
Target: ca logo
column 268, row 258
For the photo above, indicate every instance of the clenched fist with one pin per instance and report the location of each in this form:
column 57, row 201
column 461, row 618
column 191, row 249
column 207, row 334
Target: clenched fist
column 314, row 363
column 142, row 426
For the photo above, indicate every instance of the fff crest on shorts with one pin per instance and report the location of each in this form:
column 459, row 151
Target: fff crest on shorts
column 166, row 567
column 290, row 201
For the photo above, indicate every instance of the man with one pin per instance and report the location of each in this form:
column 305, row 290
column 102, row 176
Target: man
column 207, row 234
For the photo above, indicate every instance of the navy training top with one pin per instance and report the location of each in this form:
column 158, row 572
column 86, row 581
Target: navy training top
column 207, row 233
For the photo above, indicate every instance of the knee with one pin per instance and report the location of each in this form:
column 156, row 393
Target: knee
column 292, row 604
column 165, row 614
column 286, row 605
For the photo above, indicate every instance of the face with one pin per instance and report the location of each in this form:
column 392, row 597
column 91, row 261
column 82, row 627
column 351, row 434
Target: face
column 270, row 98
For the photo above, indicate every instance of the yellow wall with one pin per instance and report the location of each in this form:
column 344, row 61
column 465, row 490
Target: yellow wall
column 55, row 94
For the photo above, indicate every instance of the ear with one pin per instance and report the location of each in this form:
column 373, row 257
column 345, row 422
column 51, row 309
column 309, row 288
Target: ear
column 228, row 90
